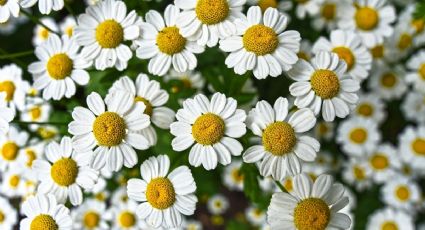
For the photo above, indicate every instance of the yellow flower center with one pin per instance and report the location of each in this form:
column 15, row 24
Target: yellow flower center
column 109, row 34
column 208, row 129
column 279, row 138
column 366, row 18
column 260, row 40
column 44, row 222
column 377, row 51
column 100, row 196
column 358, row 135
column 328, row 11
column 237, row 175
column 3, row 2
column 312, row 214
column 2, row 217
column 170, row 41
column 46, row 133
column 211, row 12
column 69, row 31
column 379, row 161
column 109, row 129
column 388, row 80
column 345, row 54
column 10, row 151
column 389, row 225
column 9, row 88
column 359, row 173
column 160, row 193
column 402, row 193
column 265, row 4
column 44, row 33
column 35, row 113
column 325, row 83
column 405, row 41
column 419, row 25
column 64, row 171
column 60, row 66
column 91, row 219
column 323, row 128
column 418, row 146
column 14, row 181
column 149, row 107
column 288, row 185
column 365, row 109
column 303, row 55
column 421, row 72
column 127, row 219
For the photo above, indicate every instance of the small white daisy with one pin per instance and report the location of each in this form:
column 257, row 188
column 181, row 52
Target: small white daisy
column 330, row 12
column 265, row 4
column 413, row 107
column 324, row 130
column 402, row 193
column 407, row 20
column 218, row 204
column 11, row 147
column 233, row 178
column 389, row 218
column 38, row 110
column 307, row 7
column 8, row 215
column 399, row 45
column 305, row 50
column 14, row 86
column 255, row 215
column 357, row 173
column 8, row 8
column 13, row 183
column 188, row 80
column 6, row 114
column 416, row 74
column 261, row 44
column 45, row 6
column 90, row 215
column 41, row 33
column 412, row 146
column 68, row 25
column 370, row 106
column 388, row 83
column 165, row 197
column 123, row 216
column 383, row 161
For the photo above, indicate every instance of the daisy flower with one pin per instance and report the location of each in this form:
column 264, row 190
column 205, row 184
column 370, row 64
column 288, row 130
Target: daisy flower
column 11, row 147
column 370, row 106
column 324, row 130
column 329, row 13
column 307, row 7
column 112, row 131
column 45, row 6
column 218, row 204
column 65, row 172
column 383, row 161
column 13, row 183
column 314, row 205
column 324, row 81
column 350, row 49
column 399, row 45
column 357, row 173
column 43, row 212
column 283, row 144
column 261, row 44
column 6, row 114
column 37, row 110
column 407, row 20
column 416, row 74
column 123, row 216
column 60, row 66
column 68, row 25
column 412, row 146
column 34, row 151
column 14, row 86
column 189, row 80
column 90, row 215
column 213, row 126
column 233, row 178
column 265, row 4
column 102, row 32
column 413, row 107
column 153, row 97
column 163, row 199
column 41, row 33
column 402, row 193
column 255, row 215
column 389, row 218
column 388, row 82
column 305, row 50
column 8, row 8
column 163, row 43
column 207, row 21
column 8, row 215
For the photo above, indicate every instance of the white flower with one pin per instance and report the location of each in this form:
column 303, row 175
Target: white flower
column 189, row 80
column 68, row 25
column 324, row 130
column 111, row 131
column 90, row 215
column 11, row 147
column 383, row 161
column 402, row 193
column 265, row 4
column 261, row 44
column 162, row 42
column 8, row 215
column 45, row 6
column 218, row 204
column 310, row 7
column 123, row 215
column 164, row 199
column 416, row 74
column 36, row 110
column 389, row 218
column 213, row 126
column 7, row 8
column 412, row 146
column 312, row 206
column 324, row 83
column 207, row 21
column 357, row 173
column 255, row 215
column 233, row 178
column 13, row 183
column 283, row 146
column 41, row 33
column 329, row 14
column 6, row 114
column 102, row 31
column 370, row 106
column 413, row 107
column 399, row 45
column 388, row 82
column 14, row 86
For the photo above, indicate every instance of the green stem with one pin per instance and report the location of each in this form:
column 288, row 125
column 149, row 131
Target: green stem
column 15, row 55
column 69, row 9
column 37, row 21
column 280, row 186
column 15, row 60
column 38, row 123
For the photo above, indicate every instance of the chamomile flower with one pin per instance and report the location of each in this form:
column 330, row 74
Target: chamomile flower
column 111, row 132
column 218, row 204
column 45, row 6
column 233, row 177
column 314, row 205
column 188, row 79
column 37, row 110
column 6, row 114
column 163, row 43
column 370, row 106
column 407, row 20
column 389, row 218
column 305, row 50
column 399, row 44
column 358, row 136
column 212, row 127
column 41, row 33
column 413, row 107
column 90, row 215
column 11, row 147
column 330, row 12
column 255, row 215
column 283, row 145
column 357, row 173
column 265, row 4
column 416, row 74
column 153, row 97
column 324, row 130
column 13, row 183
column 401, row 193
column 370, row 19
column 383, row 161
column 14, row 86
column 123, row 216
column 307, row 7
column 8, row 215
column 207, row 21
column 34, row 151
column 324, row 85
column 412, row 146
column 388, row 82
column 65, row 172
column 120, row 195
column 43, row 212
column 164, row 197
column 102, row 32
column 261, row 44
column 350, row 49
column 9, row 8
column 68, row 25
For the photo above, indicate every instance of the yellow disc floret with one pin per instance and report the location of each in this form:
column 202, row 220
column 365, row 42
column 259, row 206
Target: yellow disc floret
column 14, row 181
column 3, row 2
column 109, row 129
column 419, row 25
column 388, row 80
column 345, row 54
column 211, row 12
column 265, row 4
column 325, row 83
column 91, row 219
column 9, row 88
column 127, row 219
column 170, row 41
column 366, row 18
column 149, row 107
column 10, row 151
column 43, row 222
column 405, row 41
column 402, row 193
column 365, row 109
column 389, row 225
column 60, row 66
column 328, row 11
column 35, row 113
column 279, row 138
column 208, row 129
column 237, row 175
column 312, row 214
column 260, row 40
column 379, row 161
column 359, row 172
column 377, row 51
column 422, row 71
column 418, row 146
column 64, row 172
column 2, row 217
column 109, row 34
column 358, row 135
column 160, row 193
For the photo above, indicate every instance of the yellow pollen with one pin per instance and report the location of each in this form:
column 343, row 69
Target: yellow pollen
column 100, row 196
column 358, row 135
column 44, row 222
column 419, row 25
column 10, row 151
column 237, row 175
column 265, row 4
column 405, row 41
column 377, row 51
column 260, row 40
column 402, row 193
column 14, row 181
column 2, row 217
column 69, row 31
column 303, row 55
column 170, row 41
column 91, row 219
column 279, row 138
column 35, row 113
column 359, row 173
column 9, row 88
column 46, row 133
column 64, row 172
column 329, row 11
column 160, row 193
column 388, row 80
column 389, row 225
column 208, row 129
column 366, row 18
column 31, row 156
column 288, row 185
column 149, row 107
column 109, row 34
column 325, row 83
column 379, row 161
column 323, row 128
column 3, row 2
column 109, row 129
column 312, row 214
column 127, row 219
column 422, row 71
column 44, row 33
column 418, row 146
column 211, row 12
column 60, row 66
column 345, row 54
column 365, row 109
